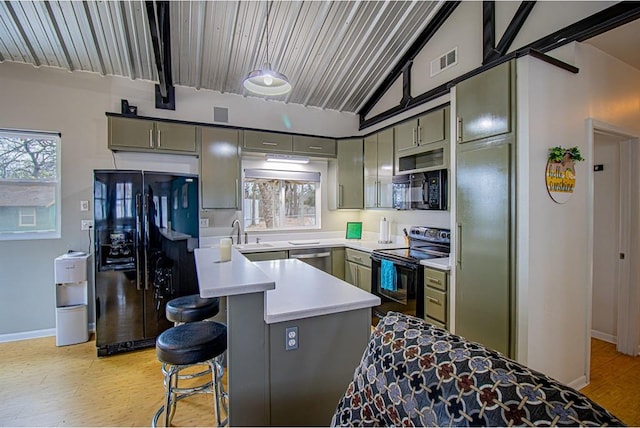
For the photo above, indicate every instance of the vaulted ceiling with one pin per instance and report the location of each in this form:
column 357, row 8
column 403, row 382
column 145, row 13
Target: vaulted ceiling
column 335, row 53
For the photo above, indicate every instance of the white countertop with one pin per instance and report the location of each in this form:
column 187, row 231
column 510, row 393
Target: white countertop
column 442, row 264
column 237, row 276
column 172, row 235
column 357, row 244
column 303, row 291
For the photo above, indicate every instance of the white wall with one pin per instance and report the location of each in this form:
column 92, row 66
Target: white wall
column 74, row 104
column 606, row 216
column 553, row 261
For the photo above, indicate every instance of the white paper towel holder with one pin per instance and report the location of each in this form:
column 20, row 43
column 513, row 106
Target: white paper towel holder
column 388, row 226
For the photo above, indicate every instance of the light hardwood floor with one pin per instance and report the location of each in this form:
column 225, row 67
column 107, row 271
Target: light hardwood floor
column 45, row 385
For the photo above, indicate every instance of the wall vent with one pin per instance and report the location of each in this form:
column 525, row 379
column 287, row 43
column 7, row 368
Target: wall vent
column 221, row 114
column 444, row 61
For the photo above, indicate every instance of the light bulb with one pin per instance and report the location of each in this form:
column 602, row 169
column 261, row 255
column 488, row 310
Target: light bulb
column 268, row 80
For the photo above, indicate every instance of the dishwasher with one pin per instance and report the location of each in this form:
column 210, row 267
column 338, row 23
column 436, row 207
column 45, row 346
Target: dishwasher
column 320, row 258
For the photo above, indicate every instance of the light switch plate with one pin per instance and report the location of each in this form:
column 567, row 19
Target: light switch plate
column 204, row 222
column 84, row 205
column 86, row 224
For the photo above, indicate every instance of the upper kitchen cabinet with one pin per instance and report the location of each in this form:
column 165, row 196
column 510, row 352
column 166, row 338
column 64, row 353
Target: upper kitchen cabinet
column 220, row 168
column 314, row 146
column 378, row 170
column 262, row 141
column 347, row 171
column 144, row 135
column 429, row 149
column 485, row 109
column 426, row 129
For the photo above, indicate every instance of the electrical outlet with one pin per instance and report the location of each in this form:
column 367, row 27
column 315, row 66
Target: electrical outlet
column 291, row 338
column 86, row 224
column 84, row 205
column 204, row 222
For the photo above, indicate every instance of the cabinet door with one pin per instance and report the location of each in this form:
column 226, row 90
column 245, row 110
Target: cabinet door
column 483, row 104
column 130, row 133
column 314, row 146
column 350, row 272
column 267, row 141
column 371, row 171
column 364, row 278
column 431, row 127
column 176, row 137
column 350, row 174
column 220, row 168
column 482, row 269
column 385, row 168
column 406, row 135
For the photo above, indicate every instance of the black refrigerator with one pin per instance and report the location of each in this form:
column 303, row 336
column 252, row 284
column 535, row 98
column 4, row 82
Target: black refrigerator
column 145, row 231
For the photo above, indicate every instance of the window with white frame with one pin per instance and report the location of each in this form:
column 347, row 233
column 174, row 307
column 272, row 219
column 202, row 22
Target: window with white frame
column 29, row 185
column 275, row 199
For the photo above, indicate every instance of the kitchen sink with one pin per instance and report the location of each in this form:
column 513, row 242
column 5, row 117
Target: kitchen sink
column 253, row 246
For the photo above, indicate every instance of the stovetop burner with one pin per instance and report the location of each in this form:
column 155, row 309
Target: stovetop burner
column 424, row 243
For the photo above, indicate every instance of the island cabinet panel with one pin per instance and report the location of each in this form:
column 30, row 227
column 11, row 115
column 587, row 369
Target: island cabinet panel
column 262, row 141
column 484, row 109
column 314, row 146
column 220, row 168
column 143, row 135
column 306, row 383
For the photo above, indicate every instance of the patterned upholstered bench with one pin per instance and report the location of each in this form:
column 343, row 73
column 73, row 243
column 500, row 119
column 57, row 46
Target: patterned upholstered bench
column 415, row 374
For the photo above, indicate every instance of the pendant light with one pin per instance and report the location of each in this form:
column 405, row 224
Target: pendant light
column 265, row 81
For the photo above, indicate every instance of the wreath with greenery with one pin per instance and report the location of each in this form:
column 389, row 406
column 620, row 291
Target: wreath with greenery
column 557, row 153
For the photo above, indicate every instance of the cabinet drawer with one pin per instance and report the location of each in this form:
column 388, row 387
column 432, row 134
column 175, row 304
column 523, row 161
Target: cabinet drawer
column 435, row 304
column 314, row 146
column 435, row 279
column 267, row 141
column 359, row 257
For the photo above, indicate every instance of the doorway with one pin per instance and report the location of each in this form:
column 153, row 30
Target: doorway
column 613, row 301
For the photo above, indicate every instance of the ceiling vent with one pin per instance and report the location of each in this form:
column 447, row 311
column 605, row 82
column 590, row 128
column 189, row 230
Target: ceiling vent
column 444, row 61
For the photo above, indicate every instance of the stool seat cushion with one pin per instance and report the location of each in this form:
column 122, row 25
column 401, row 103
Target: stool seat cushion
column 191, row 343
column 192, row 308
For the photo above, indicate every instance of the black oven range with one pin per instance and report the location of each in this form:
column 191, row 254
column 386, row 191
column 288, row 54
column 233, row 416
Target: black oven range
column 397, row 276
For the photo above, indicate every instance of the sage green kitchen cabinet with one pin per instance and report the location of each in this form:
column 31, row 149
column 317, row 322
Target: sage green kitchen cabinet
column 436, row 286
column 357, row 270
column 378, row 170
column 144, row 135
column 220, row 168
column 267, row 255
column 263, row 141
column 485, row 227
column 485, row 108
column 349, row 175
column 431, row 150
column 426, row 129
column 337, row 262
column 314, row 146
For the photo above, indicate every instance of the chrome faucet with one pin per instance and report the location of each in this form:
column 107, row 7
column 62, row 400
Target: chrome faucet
column 235, row 223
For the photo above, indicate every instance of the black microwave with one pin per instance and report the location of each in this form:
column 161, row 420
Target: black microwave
column 421, row 191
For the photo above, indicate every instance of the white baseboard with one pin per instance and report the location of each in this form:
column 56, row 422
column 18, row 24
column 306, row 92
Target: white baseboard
column 34, row 334
column 604, row 336
column 579, row 383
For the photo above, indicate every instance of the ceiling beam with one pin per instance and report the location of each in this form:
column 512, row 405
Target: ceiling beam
column 160, row 29
column 433, row 26
column 488, row 30
column 513, row 29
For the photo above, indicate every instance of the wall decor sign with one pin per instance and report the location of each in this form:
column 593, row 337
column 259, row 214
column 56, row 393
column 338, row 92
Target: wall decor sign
column 560, row 174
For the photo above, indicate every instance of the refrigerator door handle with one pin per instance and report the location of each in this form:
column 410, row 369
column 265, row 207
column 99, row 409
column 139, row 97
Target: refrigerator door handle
column 146, row 239
column 138, row 239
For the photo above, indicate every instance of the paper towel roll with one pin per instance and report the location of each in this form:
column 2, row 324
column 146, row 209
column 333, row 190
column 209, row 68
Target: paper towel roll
column 384, row 230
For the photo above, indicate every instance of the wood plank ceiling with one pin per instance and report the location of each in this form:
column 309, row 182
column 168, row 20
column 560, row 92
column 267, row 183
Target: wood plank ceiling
column 335, row 53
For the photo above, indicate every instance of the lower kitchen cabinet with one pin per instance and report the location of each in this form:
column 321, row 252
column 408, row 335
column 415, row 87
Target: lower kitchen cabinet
column 337, row 262
column 220, row 168
column 436, row 287
column 267, row 255
column 357, row 269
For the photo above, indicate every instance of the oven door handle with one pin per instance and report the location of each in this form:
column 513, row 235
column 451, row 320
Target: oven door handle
column 412, row 266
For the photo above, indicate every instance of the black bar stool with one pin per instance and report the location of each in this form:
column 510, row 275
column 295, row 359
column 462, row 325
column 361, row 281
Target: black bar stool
column 191, row 308
column 185, row 345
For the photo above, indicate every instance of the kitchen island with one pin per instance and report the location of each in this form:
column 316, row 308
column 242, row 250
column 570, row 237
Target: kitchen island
column 295, row 336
